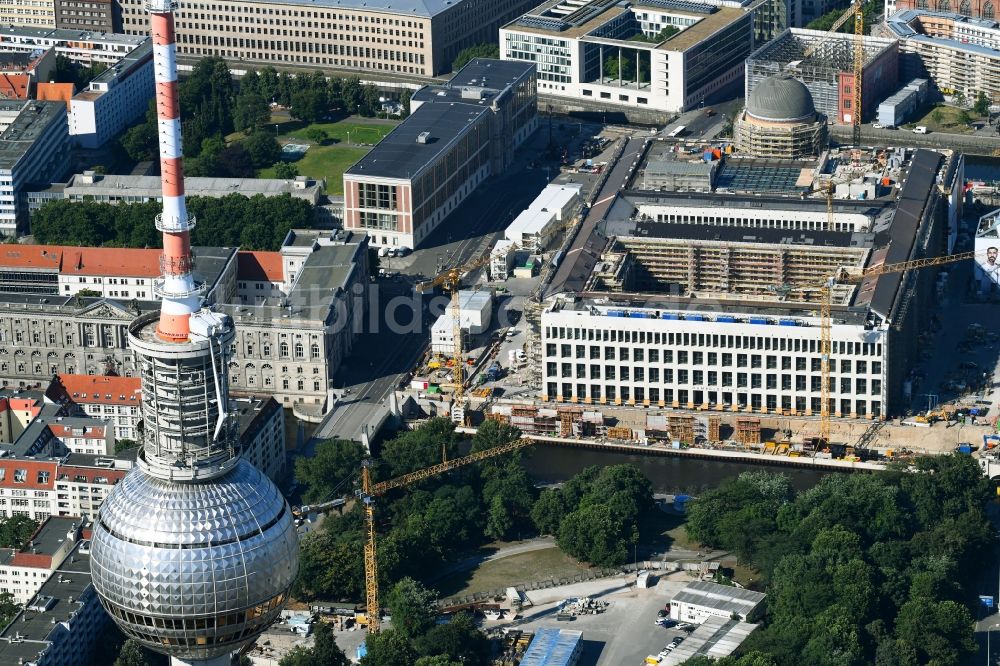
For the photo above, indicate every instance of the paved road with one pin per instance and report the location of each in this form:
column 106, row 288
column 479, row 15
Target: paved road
column 968, row 143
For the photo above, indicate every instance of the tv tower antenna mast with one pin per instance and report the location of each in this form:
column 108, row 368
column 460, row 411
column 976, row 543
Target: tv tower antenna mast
column 194, row 552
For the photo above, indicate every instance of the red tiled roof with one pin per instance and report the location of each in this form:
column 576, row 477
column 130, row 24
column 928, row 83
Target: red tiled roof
column 15, row 86
column 92, row 432
column 100, row 389
column 31, row 256
column 126, row 262
column 31, row 467
column 113, row 476
column 54, row 92
column 259, row 266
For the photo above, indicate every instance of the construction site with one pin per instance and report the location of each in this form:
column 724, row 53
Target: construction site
column 824, row 62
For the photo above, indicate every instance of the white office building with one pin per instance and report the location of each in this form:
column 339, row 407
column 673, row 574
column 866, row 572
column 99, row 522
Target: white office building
column 702, row 600
column 114, row 100
column 551, row 210
column 651, row 54
column 78, row 45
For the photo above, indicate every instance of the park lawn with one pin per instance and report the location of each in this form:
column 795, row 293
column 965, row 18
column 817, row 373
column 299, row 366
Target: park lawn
column 536, row 565
column 360, row 133
column 329, row 162
column 949, row 120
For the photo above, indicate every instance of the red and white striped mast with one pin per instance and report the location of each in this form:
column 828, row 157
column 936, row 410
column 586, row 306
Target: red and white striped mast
column 181, row 297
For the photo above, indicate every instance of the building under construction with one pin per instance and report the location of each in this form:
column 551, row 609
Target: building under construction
column 828, row 71
column 713, row 301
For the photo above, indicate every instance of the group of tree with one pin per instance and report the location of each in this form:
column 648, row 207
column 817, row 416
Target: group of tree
column 484, row 50
column 862, row 568
column 67, row 71
column 871, row 10
column 213, row 106
column 16, row 531
column 664, row 34
column 416, row 637
column 422, row 527
column 253, row 223
column 598, row 514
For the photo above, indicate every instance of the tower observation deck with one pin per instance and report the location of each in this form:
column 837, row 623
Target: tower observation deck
column 195, row 550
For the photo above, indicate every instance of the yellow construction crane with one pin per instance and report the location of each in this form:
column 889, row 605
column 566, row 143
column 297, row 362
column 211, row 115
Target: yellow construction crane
column 451, row 280
column 369, row 491
column 856, row 12
column 826, row 323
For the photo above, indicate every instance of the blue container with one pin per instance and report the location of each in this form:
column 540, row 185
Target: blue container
column 965, row 448
column 615, row 313
column 726, row 320
column 668, row 315
column 787, row 322
column 759, row 320
column 694, row 317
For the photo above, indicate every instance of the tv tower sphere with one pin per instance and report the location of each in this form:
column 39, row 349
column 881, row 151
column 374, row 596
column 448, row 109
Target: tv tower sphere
column 194, row 552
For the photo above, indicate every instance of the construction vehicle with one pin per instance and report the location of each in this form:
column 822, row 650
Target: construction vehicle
column 369, row 491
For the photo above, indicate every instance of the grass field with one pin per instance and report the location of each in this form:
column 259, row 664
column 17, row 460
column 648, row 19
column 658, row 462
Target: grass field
column 536, row 565
column 331, row 160
column 949, row 120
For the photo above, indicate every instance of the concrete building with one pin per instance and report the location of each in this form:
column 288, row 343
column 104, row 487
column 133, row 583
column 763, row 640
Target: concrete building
column 262, row 433
column 29, row 13
column 78, row 46
column 89, row 15
column 409, row 37
column 710, row 301
column 87, row 435
column 982, row 9
column 653, row 55
column 24, row 571
column 33, row 147
column 960, row 54
column 828, row 72
column 458, row 135
column 114, row 100
column 20, row 73
column 502, row 258
column 534, row 228
column 287, row 346
column 780, row 121
column 475, row 314
column 675, row 176
column 702, row 600
column 114, row 399
column 899, row 107
column 61, row 624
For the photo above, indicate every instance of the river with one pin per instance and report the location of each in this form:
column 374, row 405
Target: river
column 669, row 474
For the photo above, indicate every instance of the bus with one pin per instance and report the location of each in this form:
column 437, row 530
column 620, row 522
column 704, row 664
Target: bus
column 677, row 131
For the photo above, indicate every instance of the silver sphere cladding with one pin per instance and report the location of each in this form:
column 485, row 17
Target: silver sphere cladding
column 194, row 570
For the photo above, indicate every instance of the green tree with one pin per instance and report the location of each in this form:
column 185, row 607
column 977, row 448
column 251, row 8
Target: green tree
column 937, row 116
column 404, row 100
column 484, row 50
column 412, row 608
column 437, row 660
column 133, row 654
column 16, row 531
column 317, row 135
column 335, row 461
column 251, row 112
column 8, row 608
column 964, row 118
column 458, row 641
column 421, row 447
column 309, row 105
column 285, row 170
column 982, row 105
column 508, row 494
column 125, row 444
column 548, row 511
column 351, row 94
column 596, row 535
column 370, row 102
column 388, row 648
column 140, row 142
column 262, row 148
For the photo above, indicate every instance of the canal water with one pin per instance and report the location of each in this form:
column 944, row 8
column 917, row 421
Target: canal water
column 669, row 474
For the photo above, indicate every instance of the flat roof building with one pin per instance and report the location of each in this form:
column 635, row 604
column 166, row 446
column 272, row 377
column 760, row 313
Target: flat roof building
column 828, row 73
column 554, row 647
column 710, row 301
column 419, row 37
column 716, row 638
column 534, row 228
column 652, row 54
column 458, row 134
column 960, row 54
column 81, row 46
column 702, row 600
column 91, row 15
column 33, row 148
column 114, row 100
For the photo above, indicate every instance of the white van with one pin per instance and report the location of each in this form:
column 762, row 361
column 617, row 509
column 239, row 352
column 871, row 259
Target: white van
column 920, row 129
column 383, row 252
